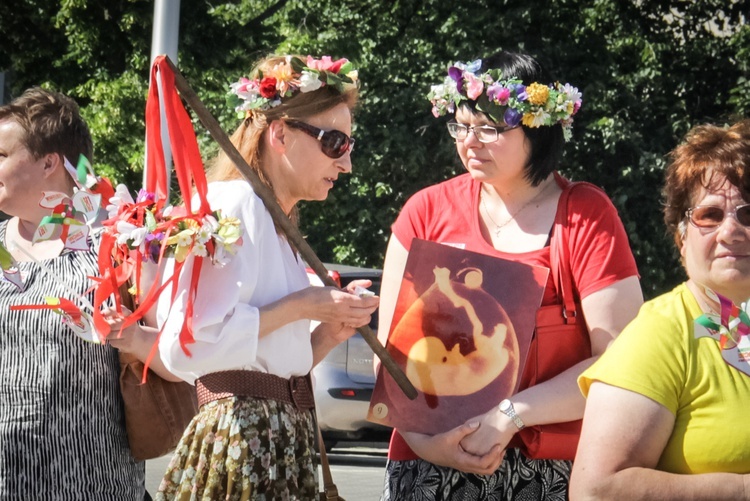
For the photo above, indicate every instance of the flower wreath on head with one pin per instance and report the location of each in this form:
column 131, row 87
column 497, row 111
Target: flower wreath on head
column 506, row 100
column 286, row 79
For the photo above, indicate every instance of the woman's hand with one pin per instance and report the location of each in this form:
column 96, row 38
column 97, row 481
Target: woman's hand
column 135, row 339
column 132, row 339
column 445, row 449
column 495, row 429
column 332, row 305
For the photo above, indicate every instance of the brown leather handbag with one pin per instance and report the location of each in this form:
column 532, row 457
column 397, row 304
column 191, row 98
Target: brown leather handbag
column 156, row 412
column 560, row 341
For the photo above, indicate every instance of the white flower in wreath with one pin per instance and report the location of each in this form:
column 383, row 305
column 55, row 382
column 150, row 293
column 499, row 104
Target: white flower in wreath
column 130, row 234
column 221, row 257
column 121, row 197
column 210, row 225
column 200, row 250
column 309, row 82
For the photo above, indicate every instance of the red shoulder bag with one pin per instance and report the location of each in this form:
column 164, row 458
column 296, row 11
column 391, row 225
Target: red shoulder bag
column 560, row 341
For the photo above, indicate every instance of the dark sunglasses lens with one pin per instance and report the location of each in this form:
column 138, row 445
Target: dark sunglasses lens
column 334, row 143
column 743, row 215
column 707, row 217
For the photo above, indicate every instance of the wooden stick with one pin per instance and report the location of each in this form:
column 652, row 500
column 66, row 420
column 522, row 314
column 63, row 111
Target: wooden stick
column 282, row 220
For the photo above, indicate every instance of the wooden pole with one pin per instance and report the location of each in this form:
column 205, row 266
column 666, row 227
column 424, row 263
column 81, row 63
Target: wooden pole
column 282, row 220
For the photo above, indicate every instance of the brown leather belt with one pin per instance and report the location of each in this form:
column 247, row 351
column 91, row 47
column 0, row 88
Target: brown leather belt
column 218, row 385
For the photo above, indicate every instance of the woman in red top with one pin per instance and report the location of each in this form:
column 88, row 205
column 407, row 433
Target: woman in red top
column 505, row 206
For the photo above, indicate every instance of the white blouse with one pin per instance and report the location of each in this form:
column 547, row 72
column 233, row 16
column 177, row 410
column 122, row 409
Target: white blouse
column 225, row 312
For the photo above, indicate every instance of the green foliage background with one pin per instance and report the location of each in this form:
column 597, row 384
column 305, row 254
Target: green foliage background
column 648, row 69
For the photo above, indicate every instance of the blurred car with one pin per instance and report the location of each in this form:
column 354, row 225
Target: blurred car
column 344, row 379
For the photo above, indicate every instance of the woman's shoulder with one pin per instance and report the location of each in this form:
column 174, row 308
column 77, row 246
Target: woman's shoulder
column 583, row 194
column 442, row 189
column 232, row 187
column 670, row 311
column 233, row 196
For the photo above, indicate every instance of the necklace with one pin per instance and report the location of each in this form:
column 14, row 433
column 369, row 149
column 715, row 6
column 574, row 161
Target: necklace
column 499, row 227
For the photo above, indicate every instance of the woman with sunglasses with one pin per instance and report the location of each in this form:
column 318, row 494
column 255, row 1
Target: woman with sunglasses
column 253, row 437
column 505, row 206
column 666, row 414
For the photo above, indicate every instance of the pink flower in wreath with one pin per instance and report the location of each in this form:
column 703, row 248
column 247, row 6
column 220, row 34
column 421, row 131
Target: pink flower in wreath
column 474, row 86
column 326, row 64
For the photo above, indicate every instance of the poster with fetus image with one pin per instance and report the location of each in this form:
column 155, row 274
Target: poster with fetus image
column 461, row 332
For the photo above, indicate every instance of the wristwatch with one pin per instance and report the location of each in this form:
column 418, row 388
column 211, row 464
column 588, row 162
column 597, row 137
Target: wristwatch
column 506, row 407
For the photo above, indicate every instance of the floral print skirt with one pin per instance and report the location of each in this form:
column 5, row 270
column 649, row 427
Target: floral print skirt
column 517, row 479
column 241, row 448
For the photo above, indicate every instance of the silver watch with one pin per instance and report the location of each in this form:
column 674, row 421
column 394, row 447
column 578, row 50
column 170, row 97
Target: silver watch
column 506, row 407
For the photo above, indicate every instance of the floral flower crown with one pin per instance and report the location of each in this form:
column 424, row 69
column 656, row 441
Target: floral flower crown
column 506, row 100
column 286, row 79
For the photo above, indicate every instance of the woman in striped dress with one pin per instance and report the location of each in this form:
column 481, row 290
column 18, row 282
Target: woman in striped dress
column 62, row 430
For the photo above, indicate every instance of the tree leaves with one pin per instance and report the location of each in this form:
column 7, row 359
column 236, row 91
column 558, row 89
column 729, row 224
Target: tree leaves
column 648, row 70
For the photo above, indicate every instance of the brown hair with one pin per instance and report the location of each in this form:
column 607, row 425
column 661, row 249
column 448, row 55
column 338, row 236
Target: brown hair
column 51, row 122
column 708, row 155
column 248, row 138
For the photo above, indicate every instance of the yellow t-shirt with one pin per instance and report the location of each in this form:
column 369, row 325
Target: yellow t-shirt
column 658, row 356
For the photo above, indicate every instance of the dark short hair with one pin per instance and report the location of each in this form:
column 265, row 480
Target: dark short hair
column 546, row 142
column 51, row 122
column 709, row 155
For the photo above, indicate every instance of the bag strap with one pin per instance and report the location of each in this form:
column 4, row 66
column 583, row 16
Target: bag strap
column 330, row 491
column 559, row 257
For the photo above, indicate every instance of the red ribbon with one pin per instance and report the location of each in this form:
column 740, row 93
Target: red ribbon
column 189, row 171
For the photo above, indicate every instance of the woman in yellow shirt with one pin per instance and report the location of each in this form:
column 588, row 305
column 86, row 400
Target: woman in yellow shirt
column 667, row 408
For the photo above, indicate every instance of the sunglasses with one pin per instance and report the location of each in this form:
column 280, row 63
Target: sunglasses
column 484, row 133
column 333, row 143
column 710, row 216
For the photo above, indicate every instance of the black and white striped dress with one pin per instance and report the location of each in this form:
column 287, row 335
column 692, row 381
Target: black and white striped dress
column 62, row 428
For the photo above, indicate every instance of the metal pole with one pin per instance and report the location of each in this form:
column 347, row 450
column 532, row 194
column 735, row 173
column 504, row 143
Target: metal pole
column 164, row 40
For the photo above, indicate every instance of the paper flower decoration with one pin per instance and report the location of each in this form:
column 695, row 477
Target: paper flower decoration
column 72, row 316
column 11, row 272
column 141, row 225
column 730, row 328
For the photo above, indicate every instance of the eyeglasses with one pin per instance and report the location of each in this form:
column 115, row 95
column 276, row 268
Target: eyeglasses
column 333, row 143
column 711, row 216
column 484, row 133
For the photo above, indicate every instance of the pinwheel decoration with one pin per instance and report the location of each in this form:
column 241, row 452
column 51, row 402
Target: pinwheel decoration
column 10, row 268
column 72, row 316
column 731, row 329
column 85, row 178
column 70, row 218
